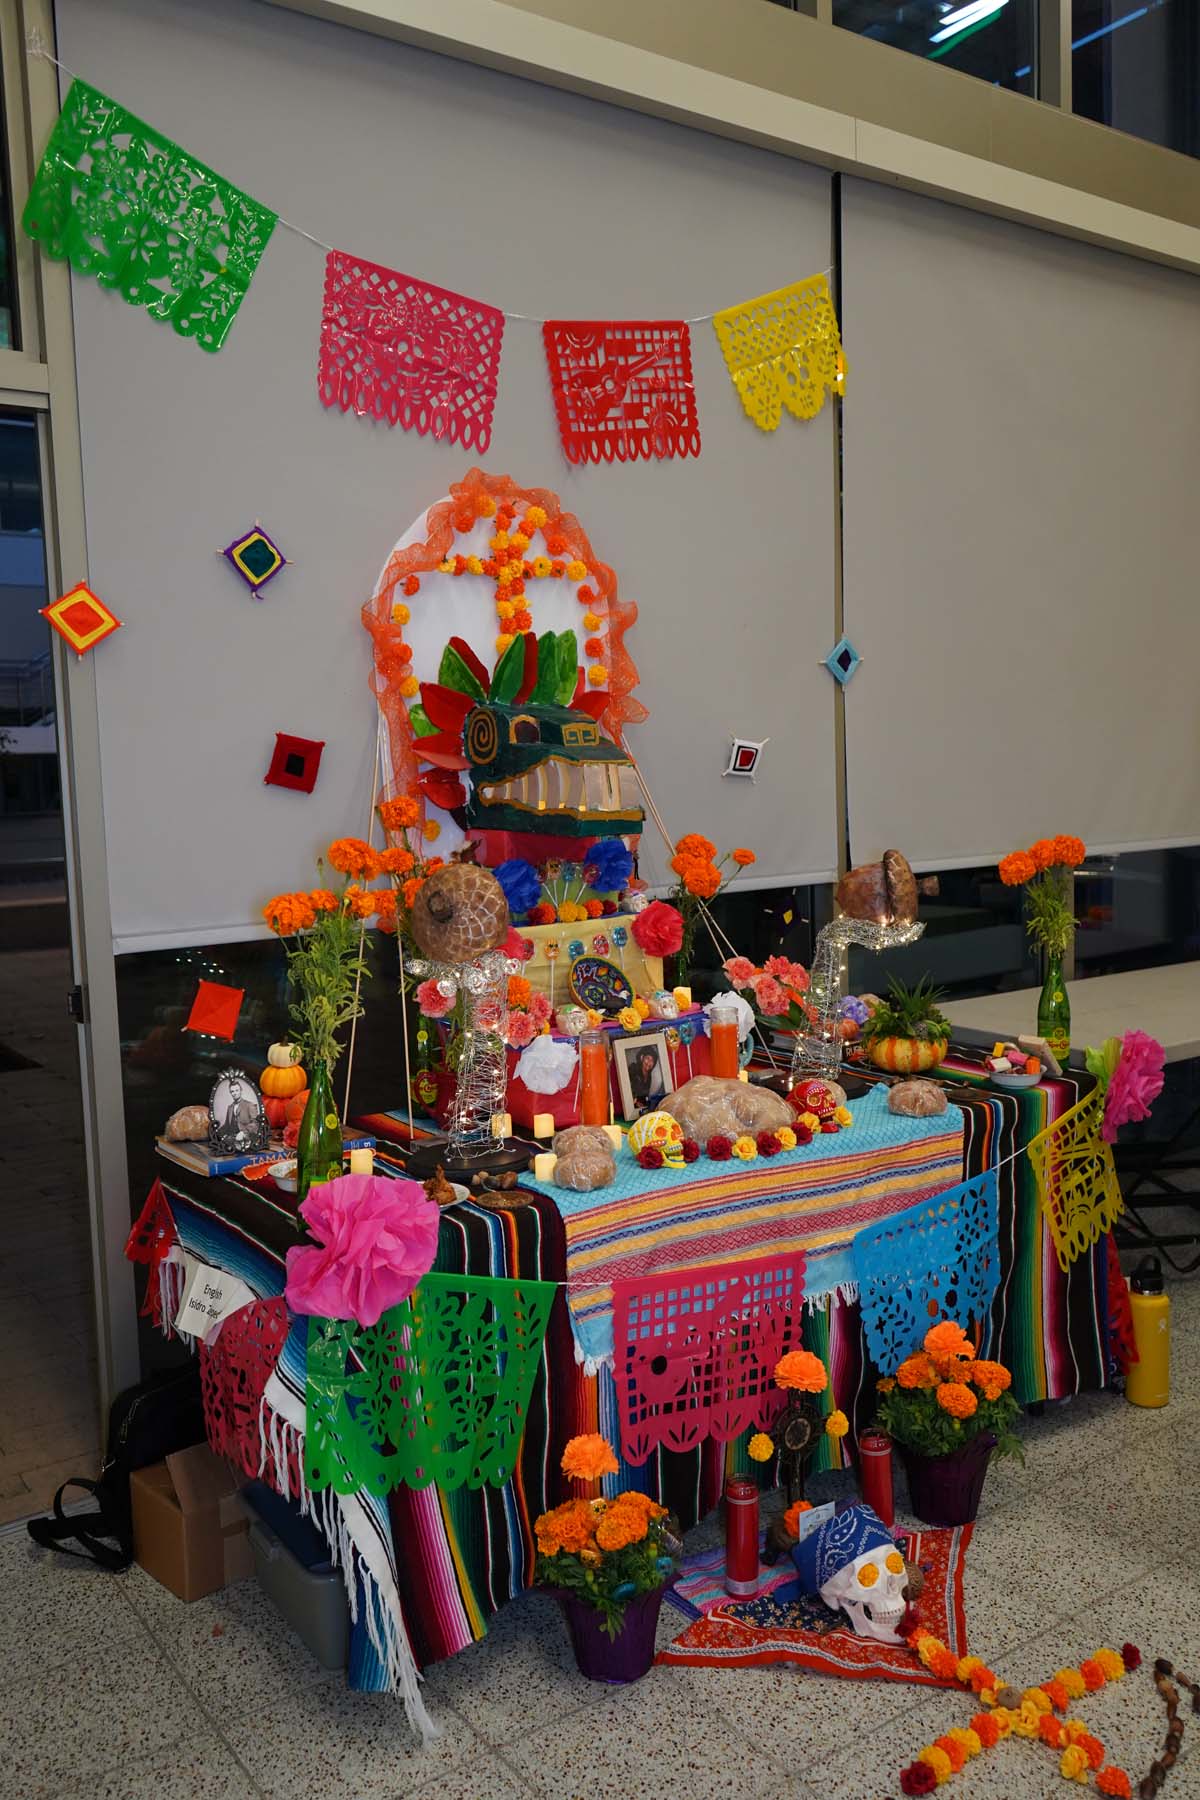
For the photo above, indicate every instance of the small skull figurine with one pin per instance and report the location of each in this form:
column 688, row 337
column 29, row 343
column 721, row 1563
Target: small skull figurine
column 663, row 1132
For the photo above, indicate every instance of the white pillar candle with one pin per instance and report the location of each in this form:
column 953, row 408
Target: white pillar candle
column 501, row 1125
column 544, row 1165
column 614, row 1134
column 362, row 1162
column 543, row 1125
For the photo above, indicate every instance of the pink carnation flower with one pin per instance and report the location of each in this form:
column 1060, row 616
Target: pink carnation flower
column 539, row 1010
column 520, row 1030
column 431, row 1001
column 770, row 995
column 789, row 973
column 375, row 1238
column 740, row 970
column 1136, row 1084
column 490, row 1015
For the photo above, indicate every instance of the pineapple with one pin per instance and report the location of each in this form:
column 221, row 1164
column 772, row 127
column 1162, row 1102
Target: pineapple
column 907, row 1032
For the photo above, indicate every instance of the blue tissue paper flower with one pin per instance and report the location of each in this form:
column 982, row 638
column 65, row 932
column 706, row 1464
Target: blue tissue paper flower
column 609, row 865
column 519, row 879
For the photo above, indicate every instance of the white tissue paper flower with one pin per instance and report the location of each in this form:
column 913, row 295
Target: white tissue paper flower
column 546, row 1067
column 744, row 1010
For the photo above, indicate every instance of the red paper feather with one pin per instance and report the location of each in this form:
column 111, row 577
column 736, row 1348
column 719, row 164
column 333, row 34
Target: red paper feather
column 445, row 707
column 472, row 661
column 444, row 751
column 529, row 678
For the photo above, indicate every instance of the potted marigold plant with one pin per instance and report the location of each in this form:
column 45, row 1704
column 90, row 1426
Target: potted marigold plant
column 947, row 1411
column 607, row 1562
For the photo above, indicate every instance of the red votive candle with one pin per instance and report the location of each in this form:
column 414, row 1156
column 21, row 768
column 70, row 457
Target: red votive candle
column 723, row 1040
column 875, row 1473
column 593, row 1079
column 741, row 1535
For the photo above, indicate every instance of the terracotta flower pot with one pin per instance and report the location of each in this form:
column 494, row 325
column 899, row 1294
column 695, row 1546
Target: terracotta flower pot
column 618, row 1660
column 945, row 1490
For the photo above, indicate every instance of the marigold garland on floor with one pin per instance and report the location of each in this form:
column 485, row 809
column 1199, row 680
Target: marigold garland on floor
column 1029, row 1715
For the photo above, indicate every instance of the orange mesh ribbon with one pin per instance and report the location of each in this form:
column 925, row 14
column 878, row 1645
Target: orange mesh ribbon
column 477, row 496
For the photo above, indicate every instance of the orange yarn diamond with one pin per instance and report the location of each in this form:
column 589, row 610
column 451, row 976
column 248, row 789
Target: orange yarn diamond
column 81, row 617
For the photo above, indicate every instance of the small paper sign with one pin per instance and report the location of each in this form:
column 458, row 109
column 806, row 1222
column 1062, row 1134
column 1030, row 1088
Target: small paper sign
column 209, row 1296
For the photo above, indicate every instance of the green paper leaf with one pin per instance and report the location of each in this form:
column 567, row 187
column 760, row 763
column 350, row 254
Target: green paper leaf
column 422, row 724
column 509, row 670
column 454, row 673
column 568, row 668
column 122, row 202
column 1102, row 1063
column 546, row 685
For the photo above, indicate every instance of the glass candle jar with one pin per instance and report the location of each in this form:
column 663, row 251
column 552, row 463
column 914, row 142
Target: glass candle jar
column 723, row 1040
column 593, row 1078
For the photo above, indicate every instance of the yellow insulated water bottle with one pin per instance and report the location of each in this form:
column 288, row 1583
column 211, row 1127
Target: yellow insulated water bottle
column 1148, row 1382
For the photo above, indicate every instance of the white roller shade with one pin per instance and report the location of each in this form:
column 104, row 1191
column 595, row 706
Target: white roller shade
column 527, row 198
column 1022, row 537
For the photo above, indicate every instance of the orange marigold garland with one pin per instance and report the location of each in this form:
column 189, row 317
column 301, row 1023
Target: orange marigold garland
column 1081, row 1754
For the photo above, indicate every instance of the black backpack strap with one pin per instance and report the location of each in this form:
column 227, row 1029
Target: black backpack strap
column 50, row 1533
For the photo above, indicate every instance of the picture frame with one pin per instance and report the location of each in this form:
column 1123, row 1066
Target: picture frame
column 237, row 1121
column 644, row 1075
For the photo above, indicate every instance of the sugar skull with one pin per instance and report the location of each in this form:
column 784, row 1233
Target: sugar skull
column 663, row 1132
column 814, row 1097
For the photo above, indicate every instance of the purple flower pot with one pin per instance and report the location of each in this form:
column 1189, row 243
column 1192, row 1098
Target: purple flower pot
column 945, row 1490
column 619, row 1660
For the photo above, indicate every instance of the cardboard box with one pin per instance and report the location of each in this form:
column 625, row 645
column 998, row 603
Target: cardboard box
column 189, row 1523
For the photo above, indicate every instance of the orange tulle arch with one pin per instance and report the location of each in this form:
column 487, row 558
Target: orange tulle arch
column 393, row 655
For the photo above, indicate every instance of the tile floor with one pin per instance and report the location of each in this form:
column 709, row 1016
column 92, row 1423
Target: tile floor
column 49, row 1426
column 113, row 1688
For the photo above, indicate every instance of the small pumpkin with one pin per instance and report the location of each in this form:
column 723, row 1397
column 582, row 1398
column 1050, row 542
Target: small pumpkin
column 282, row 1056
column 908, row 1056
column 276, row 1111
column 294, row 1107
column 280, row 1083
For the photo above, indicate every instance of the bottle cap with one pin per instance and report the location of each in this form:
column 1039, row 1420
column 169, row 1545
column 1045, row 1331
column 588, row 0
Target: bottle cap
column 1147, row 1278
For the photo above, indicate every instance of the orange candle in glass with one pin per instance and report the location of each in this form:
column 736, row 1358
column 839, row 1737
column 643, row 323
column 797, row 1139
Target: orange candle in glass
column 723, row 1041
column 593, row 1079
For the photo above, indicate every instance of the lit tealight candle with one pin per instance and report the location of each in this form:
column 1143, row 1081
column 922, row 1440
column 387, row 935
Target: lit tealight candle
column 743, row 1075
column 614, row 1134
column 683, row 997
column 543, row 1125
column 544, row 1165
column 501, row 1125
column 362, row 1162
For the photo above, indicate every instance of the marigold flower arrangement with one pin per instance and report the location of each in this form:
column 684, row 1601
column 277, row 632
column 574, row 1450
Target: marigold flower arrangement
column 1045, row 871
column 699, row 877
column 944, row 1395
column 324, row 937
column 606, row 1552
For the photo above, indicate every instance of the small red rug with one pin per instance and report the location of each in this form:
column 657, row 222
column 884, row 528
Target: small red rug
column 724, row 1633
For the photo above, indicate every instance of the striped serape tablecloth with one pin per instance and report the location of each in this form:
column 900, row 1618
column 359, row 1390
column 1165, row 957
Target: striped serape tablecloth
column 813, row 1198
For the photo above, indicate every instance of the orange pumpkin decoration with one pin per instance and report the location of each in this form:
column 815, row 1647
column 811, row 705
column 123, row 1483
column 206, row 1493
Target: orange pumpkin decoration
column 908, row 1056
column 294, row 1108
column 281, row 1084
column 276, row 1112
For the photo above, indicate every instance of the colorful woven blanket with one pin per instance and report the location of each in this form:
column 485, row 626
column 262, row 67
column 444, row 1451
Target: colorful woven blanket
column 813, row 1198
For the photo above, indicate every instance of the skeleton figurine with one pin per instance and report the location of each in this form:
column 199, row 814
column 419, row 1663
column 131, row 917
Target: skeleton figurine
column 853, row 1563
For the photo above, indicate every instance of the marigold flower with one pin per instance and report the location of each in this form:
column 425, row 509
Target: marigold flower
column 837, row 1424
column 1073, row 1681
column 400, row 613
column 502, row 642
column 618, row 1528
column 595, row 910
column 353, row 856
column 844, row 1117
column 289, row 913
column 588, row 1457
column 703, row 880
column 991, row 1378
column 801, row 1370
column 523, row 619
column 938, row 1761
column 520, row 993
column 1114, row 1781
column 1069, row 851
column 542, row 914
column 597, row 675
column 1111, row 1663
column 787, row 1137
column 744, row 858
column 962, row 1734
column 957, row 1399
column 885, row 1385
column 592, row 622
column 791, row 1517
column 953, row 1750
column 397, row 861
column 1017, row 868
column 985, row 1728
column 745, row 1148
column 946, row 1341
column 761, row 1448
column 629, row 1018
column 321, row 900
column 1073, row 1764
column 1093, row 1675
column 359, row 903
column 431, row 831
column 410, row 687
column 1057, row 1694
column 410, row 889
column 385, row 908
column 1051, row 1731
column 593, row 648
column 536, row 516
column 917, row 1371
column 1038, row 1698
column 576, row 570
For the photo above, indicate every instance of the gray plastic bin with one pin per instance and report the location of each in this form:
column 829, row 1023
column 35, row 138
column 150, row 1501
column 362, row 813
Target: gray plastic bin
column 312, row 1601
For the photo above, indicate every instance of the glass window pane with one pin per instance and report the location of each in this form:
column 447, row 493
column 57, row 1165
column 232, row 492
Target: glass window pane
column 10, row 338
column 1135, row 66
column 993, row 39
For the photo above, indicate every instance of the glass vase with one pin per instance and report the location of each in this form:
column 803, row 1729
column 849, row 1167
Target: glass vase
column 319, row 1145
column 1054, row 1009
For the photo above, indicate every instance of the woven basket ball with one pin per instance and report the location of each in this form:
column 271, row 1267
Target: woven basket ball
column 460, row 913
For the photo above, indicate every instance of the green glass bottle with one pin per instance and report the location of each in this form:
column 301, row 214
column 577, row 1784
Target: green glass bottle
column 319, row 1146
column 425, row 1060
column 1054, row 1009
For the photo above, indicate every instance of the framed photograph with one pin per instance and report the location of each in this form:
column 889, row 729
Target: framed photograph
column 236, row 1120
column 643, row 1073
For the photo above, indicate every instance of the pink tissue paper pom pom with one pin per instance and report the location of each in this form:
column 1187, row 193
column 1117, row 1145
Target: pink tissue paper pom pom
column 375, row 1238
column 432, row 1002
column 1136, row 1084
column 740, row 970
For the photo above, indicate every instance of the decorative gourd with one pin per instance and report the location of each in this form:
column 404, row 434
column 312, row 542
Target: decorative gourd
column 907, row 1056
column 276, row 1111
column 283, row 1056
column 280, row 1083
column 907, row 1032
column 294, row 1108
